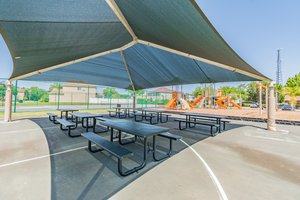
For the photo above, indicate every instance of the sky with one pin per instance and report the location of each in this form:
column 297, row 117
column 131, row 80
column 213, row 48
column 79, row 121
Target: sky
column 254, row 29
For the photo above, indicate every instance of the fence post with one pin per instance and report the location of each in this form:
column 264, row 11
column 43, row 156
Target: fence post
column 15, row 95
column 58, row 96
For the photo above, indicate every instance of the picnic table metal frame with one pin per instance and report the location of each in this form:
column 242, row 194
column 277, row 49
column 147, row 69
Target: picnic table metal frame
column 85, row 117
column 159, row 114
column 188, row 117
column 66, row 110
column 114, row 125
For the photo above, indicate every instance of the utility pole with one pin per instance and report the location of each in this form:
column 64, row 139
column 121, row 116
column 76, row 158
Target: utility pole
column 279, row 70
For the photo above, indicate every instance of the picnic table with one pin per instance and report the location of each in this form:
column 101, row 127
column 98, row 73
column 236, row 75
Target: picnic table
column 126, row 111
column 189, row 115
column 85, row 118
column 141, row 130
column 66, row 111
column 159, row 114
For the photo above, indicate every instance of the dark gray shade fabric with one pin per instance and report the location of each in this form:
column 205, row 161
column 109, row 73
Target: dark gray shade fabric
column 180, row 25
column 47, row 33
column 148, row 67
column 42, row 34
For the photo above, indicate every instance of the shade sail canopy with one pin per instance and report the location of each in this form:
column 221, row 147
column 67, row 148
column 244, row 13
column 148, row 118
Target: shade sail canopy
column 129, row 44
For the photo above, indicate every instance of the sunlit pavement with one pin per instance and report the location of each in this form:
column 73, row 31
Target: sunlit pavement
column 38, row 161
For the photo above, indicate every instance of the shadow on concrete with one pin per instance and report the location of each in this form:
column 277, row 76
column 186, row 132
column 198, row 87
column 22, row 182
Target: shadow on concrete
column 80, row 174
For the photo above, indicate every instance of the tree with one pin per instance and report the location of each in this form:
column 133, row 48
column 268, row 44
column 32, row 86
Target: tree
column 292, row 88
column 55, row 85
column 242, row 90
column 252, row 91
column 110, row 92
column 197, row 92
column 137, row 92
column 2, row 92
column 35, row 94
column 280, row 93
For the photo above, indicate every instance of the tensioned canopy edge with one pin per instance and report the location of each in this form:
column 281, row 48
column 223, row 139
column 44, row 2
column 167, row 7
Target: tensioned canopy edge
column 68, row 33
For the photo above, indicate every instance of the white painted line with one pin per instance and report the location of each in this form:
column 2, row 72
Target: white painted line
column 221, row 192
column 44, row 156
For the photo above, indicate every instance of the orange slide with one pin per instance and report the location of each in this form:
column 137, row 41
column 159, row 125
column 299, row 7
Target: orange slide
column 171, row 103
column 220, row 102
column 235, row 105
column 192, row 105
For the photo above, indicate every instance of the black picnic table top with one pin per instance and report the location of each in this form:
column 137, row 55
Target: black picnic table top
column 67, row 109
column 135, row 128
column 203, row 115
column 86, row 115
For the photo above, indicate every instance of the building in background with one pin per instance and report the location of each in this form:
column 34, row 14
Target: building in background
column 73, row 93
column 164, row 93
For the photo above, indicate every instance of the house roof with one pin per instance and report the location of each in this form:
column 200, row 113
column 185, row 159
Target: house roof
column 161, row 90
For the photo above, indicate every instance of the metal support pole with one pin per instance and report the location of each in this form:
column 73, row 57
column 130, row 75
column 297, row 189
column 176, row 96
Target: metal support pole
column 8, row 102
column 267, row 96
column 15, row 95
column 271, row 124
column 134, row 100
column 110, row 96
column 58, row 96
column 260, row 99
column 88, row 98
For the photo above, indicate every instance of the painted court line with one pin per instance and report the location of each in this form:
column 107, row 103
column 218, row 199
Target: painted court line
column 215, row 180
column 44, row 156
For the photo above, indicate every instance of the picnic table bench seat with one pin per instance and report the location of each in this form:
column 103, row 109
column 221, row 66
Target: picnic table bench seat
column 69, row 126
column 223, row 121
column 120, row 114
column 169, row 136
column 110, row 147
column 211, row 125
column 52, row 117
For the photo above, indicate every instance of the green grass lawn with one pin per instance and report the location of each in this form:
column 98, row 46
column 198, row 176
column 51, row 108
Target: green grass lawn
column 19, row 115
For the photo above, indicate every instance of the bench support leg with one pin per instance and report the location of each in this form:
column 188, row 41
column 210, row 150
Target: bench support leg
column 135, row 169
column 93, row 150
column 180, row 126
column 138, row 120
column 165, row 156
column 128, row 142
column 161, row 119
column 151, row 120
column 69, row 130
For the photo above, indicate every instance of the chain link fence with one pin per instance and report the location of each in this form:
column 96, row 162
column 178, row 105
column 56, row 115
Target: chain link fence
column 82, row 97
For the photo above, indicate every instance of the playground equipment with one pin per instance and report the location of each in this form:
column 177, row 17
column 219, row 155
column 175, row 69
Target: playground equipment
column 192, row 105
column 224, row 101
column 221, row 100
column 176, row 100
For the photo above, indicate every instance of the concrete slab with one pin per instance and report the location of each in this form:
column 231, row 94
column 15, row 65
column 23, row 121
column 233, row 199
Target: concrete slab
column 39, row 161
column 249, row 162
column 21, row 176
